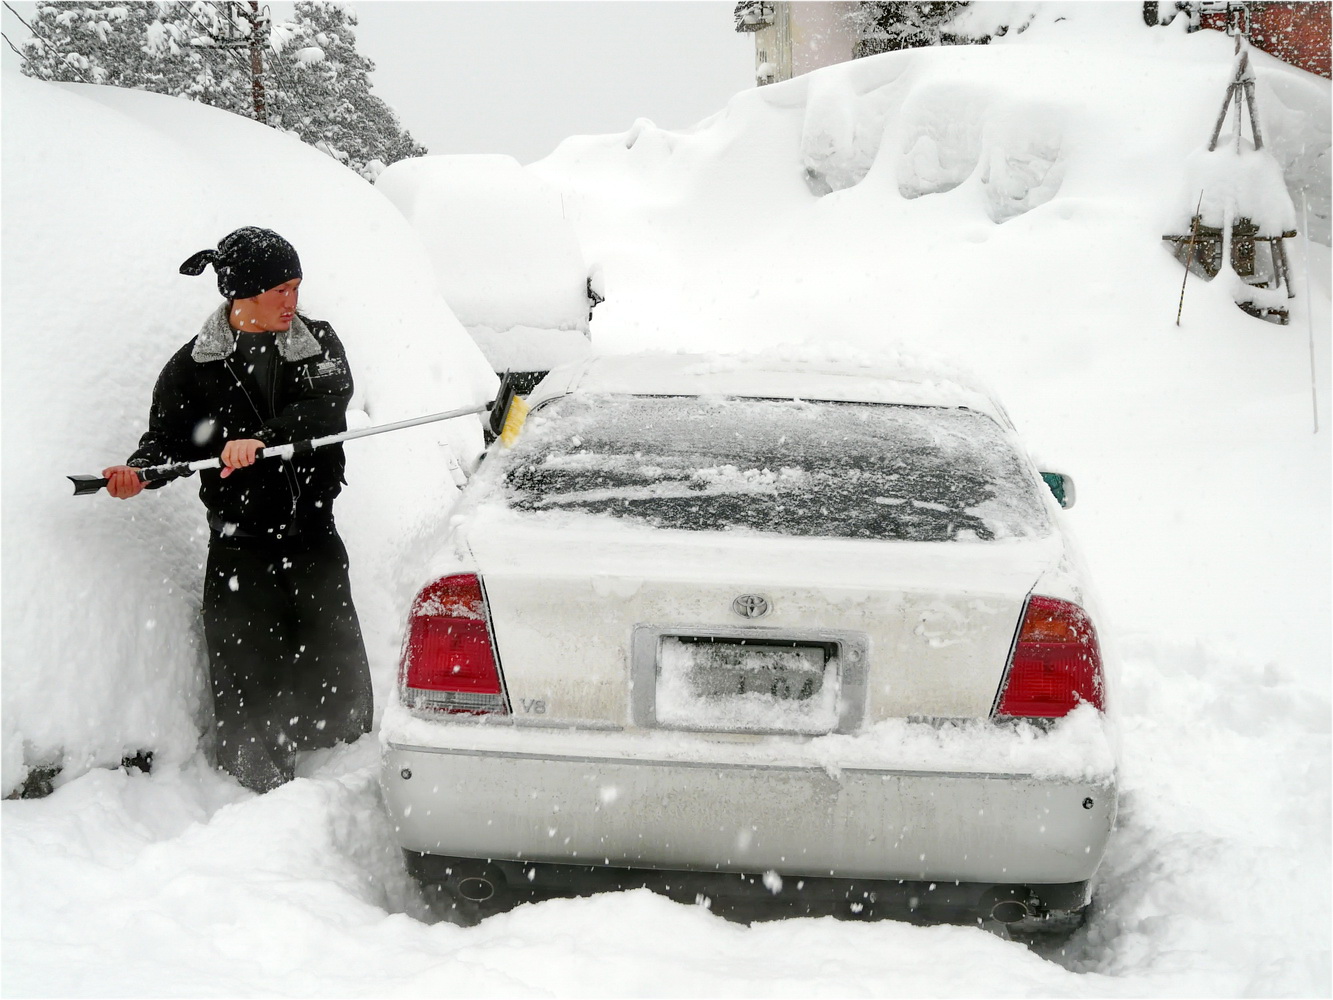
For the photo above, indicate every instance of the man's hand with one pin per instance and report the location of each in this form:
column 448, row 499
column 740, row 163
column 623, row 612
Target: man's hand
column 239, row 454
column 122, row 481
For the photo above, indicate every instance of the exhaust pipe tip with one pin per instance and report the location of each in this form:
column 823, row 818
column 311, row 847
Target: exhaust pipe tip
column 477, row 889
column 1009, row 911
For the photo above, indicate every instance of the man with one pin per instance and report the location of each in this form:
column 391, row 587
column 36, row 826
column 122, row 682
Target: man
column 286, row 660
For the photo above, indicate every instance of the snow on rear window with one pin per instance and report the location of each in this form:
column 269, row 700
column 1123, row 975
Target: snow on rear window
column 790, row 467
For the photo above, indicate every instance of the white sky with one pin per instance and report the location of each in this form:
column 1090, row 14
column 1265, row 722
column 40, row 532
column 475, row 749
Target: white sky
column 517, row 76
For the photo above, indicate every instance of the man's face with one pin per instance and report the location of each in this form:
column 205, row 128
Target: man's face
column 271, row 311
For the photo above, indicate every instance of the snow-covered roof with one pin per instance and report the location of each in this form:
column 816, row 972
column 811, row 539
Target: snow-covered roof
column 504, row 252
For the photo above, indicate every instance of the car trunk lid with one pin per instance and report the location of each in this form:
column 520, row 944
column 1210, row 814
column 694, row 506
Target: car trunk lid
column 611, row 625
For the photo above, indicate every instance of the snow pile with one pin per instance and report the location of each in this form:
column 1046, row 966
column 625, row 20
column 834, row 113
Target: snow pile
column 1230, row 184
column 505, row 256
column 1237, row 182
column 839, row 135
column 102, row 648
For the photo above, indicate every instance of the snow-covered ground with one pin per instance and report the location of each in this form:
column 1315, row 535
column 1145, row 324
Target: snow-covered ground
column 1000, row 207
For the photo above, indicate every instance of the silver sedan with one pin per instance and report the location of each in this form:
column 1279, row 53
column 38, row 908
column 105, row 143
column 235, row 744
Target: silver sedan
column 771, row 636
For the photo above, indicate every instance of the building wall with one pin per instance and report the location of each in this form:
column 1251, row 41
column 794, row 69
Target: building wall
column 809, row 34
column 1297, row 33
column 804, row 35
column 773, row 48
column 820, row 36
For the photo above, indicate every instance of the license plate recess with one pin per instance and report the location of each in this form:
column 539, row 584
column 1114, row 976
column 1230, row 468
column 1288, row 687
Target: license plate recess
column 761, row 685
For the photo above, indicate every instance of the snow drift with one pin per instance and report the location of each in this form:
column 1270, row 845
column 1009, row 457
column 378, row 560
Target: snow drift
column 102, row 651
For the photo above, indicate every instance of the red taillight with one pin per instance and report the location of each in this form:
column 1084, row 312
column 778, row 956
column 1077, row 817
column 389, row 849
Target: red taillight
column 1056, row 665
column 448, row 662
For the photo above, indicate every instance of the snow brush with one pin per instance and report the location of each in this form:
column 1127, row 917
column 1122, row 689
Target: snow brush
column 508, row 411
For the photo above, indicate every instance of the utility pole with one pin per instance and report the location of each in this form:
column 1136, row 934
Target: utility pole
column 258, row 39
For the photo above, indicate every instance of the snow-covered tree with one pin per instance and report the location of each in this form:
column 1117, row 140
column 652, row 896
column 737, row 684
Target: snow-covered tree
column 200, row 51
column 886, row 25
column 322, row 91
column 314, row 82
column 89, row 43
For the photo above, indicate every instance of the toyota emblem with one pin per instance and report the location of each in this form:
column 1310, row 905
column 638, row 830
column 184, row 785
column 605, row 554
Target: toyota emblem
column 750, row 606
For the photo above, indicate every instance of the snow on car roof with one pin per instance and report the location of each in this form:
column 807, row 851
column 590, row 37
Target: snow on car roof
column 771, row 375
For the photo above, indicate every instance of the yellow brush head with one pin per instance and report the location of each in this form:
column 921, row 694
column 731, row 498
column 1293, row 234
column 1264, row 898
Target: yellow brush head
column 518, row 412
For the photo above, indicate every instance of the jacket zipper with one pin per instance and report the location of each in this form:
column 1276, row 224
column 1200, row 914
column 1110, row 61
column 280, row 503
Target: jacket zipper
column 292, row 486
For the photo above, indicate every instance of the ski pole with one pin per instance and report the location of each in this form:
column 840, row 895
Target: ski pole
column 1189, row 256
column 508, row 412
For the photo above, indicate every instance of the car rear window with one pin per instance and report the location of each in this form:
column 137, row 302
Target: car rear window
column 847, row 470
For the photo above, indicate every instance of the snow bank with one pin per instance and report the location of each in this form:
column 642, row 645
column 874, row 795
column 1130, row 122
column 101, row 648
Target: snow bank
column 102, row 648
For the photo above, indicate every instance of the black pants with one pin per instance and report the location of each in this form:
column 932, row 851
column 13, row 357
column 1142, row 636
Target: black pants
column 286, row 660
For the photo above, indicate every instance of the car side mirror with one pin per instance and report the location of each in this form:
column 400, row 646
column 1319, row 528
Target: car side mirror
column 596, row 287
column 1061, row 486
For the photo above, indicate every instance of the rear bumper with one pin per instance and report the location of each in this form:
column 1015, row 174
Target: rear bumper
column 742, row 817
column 473, row 889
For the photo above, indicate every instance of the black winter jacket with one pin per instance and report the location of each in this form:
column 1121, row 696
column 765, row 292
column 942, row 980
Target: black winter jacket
column 205, row 397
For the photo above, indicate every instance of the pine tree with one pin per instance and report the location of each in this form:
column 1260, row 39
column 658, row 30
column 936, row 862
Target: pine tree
column 88, row 43
column 343, row 117
column 315, row 84
column 887, row 25
column 199, row 54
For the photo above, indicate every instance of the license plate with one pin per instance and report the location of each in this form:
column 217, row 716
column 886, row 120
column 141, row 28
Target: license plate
column 745, row 686
column 786, row 673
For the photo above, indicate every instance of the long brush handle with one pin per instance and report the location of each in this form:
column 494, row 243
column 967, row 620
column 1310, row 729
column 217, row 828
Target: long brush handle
column 85, row 485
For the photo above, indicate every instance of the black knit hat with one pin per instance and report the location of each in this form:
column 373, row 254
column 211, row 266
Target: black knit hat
column 249, row 262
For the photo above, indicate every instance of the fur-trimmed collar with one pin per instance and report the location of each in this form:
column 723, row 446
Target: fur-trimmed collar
column 217, row 340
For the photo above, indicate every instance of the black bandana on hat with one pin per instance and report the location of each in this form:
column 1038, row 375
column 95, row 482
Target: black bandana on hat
column 249, row 262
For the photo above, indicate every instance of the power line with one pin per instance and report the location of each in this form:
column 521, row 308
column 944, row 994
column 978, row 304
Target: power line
column 20, row 17
column 293, row 76
column 231, row 52
column 11, row 45
column 244, row 65
column 37, row 35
